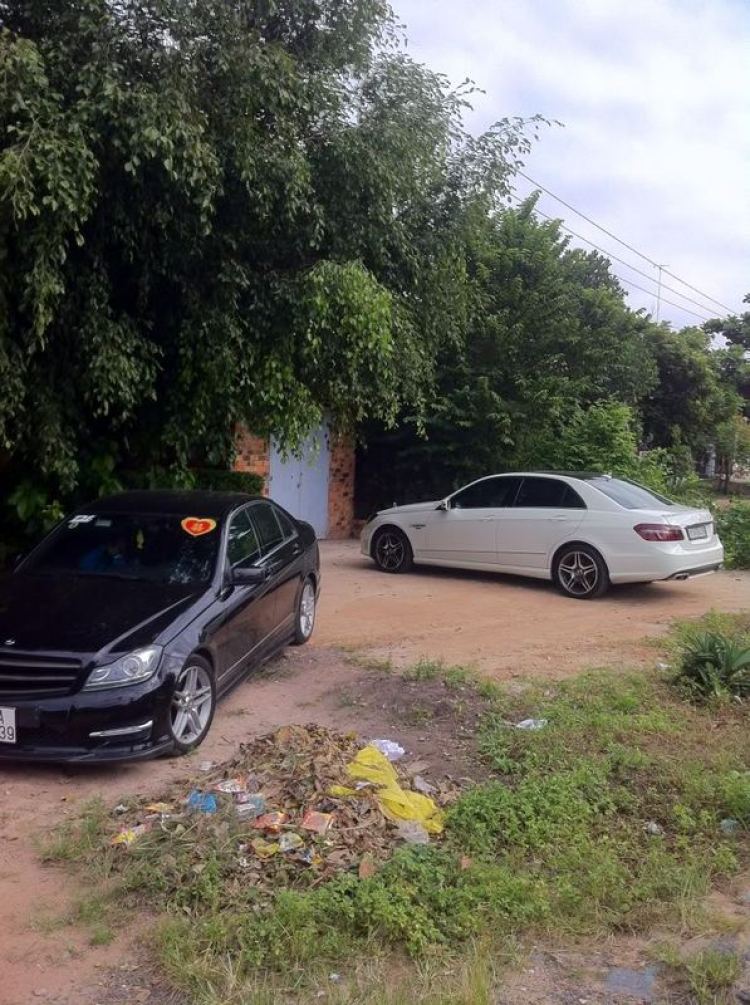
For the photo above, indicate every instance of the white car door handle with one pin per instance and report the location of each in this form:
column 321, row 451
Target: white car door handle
column 558, row 519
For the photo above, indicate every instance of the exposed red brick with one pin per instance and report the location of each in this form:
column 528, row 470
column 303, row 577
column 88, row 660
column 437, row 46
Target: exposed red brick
column 253, row 454
column 341, row 488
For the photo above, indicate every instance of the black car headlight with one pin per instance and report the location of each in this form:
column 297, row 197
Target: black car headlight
column 131, row 669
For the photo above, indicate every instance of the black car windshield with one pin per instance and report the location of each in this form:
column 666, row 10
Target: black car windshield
column 629, row 494
column 162, row 548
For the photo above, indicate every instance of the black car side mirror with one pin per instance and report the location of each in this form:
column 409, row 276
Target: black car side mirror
column 250, row 575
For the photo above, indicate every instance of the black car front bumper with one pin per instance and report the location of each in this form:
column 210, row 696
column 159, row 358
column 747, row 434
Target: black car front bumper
column 117, row 724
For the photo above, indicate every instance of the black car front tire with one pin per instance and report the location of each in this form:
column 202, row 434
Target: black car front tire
column 192, row 705
column 304, row 617
column 392, row 551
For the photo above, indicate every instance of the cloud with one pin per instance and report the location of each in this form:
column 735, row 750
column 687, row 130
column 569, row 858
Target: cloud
column 655, row 98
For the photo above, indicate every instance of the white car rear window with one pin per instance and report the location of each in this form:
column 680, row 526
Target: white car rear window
column 629, row 494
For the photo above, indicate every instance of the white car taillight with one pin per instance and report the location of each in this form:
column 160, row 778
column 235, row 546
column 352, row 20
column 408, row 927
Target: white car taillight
column 659, row 532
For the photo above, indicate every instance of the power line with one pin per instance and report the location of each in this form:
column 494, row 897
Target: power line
column 625, row 244
column 623, row 262
column 664, row 300
column 630, row 282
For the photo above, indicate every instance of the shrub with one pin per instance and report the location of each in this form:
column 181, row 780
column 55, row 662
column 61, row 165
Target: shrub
column 671, row 473
column 715, row 666
column 207, row 479
column 733, row 526
column 228, row 481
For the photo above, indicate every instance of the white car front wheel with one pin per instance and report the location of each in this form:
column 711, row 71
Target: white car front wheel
column 392, row 551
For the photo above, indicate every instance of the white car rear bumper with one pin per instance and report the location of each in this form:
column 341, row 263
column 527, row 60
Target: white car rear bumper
column 667, row 562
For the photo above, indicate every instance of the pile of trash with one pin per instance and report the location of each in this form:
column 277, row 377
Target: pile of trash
column 297, row 806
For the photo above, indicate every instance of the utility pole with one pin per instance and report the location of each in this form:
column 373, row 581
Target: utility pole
column 658, row 293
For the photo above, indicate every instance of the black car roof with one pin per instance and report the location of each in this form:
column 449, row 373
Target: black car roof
column 193, row 503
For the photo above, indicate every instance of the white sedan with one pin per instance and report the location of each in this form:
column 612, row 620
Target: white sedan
column 582, row 531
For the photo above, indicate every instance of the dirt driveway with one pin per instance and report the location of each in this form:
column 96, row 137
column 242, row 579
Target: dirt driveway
column 503, row 625
column 506, row 627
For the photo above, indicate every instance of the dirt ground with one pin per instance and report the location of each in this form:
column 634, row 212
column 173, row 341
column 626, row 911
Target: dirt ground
column 507, row 628
column 503, row 625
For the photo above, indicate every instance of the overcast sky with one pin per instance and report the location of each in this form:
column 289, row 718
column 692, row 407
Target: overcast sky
column 655, row 98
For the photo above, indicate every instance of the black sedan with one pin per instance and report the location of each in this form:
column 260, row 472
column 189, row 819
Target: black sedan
column 120, row 631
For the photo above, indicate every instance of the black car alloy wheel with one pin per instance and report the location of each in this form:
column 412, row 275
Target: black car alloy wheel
column 305, row 616
column 392, row 551
column 192, row 705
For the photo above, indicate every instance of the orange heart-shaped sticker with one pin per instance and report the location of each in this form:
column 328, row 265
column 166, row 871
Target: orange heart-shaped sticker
column 196, row 525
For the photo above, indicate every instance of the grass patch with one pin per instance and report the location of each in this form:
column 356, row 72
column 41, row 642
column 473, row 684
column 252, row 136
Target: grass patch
column 97, row 912
column 425, row 670
column 608, row 819
column 735, row 626
column 459, row 676
column 454, row 677
column 490, row 690
column 101, row 935
column 711, row 974
column 357, row 658
column 466, row 978
column 78, row 840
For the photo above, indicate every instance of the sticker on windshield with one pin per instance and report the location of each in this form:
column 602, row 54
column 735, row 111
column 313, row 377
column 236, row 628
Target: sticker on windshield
column 196, row 525
column 81, row 518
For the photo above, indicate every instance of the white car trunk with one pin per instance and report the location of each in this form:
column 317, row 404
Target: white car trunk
column 697, row 524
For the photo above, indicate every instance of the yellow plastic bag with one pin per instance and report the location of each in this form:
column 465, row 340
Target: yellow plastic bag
column 370, row 765
column 342, row 791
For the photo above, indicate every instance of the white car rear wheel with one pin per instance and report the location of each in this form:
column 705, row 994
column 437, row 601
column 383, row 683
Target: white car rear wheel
column 580, row 572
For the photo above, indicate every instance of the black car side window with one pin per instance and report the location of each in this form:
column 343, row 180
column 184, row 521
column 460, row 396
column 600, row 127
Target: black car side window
column 269, row 530
column 492, row 493
column 548, row 493
column 243, row 547
column 287, row 527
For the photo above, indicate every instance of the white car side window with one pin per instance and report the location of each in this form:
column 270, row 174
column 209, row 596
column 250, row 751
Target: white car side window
column 548, row 493
column 491, row 493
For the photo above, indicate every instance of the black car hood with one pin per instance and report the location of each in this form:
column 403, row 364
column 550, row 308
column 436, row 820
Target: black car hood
column 87, row 614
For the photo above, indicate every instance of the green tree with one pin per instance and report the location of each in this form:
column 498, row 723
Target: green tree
column 551, row 356
column 735, row 331
column 735, row 328
column 225, row 211
column 732, row 443
column 691, row 397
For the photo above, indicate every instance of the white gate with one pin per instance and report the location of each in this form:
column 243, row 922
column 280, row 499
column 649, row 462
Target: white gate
column 300, row 483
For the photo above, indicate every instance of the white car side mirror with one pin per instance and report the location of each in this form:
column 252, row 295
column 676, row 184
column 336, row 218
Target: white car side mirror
column 444, row 505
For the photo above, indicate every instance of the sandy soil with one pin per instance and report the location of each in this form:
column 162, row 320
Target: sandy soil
column 507, row 628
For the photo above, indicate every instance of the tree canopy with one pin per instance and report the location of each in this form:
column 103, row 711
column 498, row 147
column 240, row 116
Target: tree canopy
column 259, row 211
column 556, row 371
column 223, row 212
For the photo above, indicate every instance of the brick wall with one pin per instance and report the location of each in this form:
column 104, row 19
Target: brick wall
column 341, row 488
column 253, row 454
